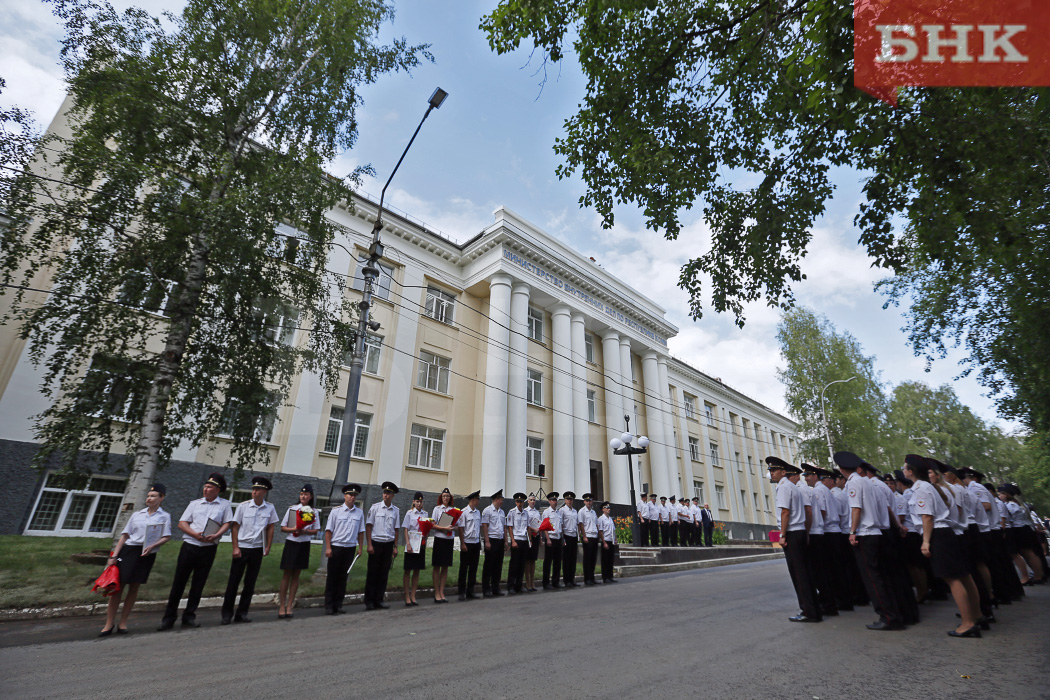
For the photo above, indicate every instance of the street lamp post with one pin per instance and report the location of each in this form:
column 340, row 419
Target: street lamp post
column 824, row 415
column 622, row 446
column 369, row 273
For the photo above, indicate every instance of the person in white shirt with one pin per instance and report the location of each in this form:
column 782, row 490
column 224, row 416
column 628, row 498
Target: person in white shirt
column 493, row 530
column 1018, row 537
column 296, row 555
column 202, row 524
column 665, row 522
column 441, row 557
column 653, row 517
column 570, row 521
column 967, row 530
column 672, row 522
column 792, row 516
column 589, row 536
column 607, row 535
column 344, row 538
column 534, row 544
column 253, row 526
column 518, row 537
column 643, row 520
column 696, row 536
column 381, row 536
column 821, row 567
column 552, row 544
column 469, row 527
column 415, row 557
column 837, row 549
column 134, row 556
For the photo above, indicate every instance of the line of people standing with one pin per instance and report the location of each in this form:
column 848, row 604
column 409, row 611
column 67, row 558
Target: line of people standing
column 924, row 532
column 674, row 522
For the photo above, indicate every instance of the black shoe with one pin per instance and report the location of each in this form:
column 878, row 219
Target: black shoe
column 571, row 584
column 555, row 586
column 370, row 606
column 106, row 633
column 845, row 608
column 242, row 618
column 881, row 626
column 191, row 623
column 338, row 611
column 122, row 630
column 462, row 596
column 408, row 604
column 546, row 586
column 486, row 594
column 443, row 600
column 972, row 632
column 471, row 596
column 414, row 603
column 983, row 624
column 611, row 580
column 225, row 621
column 328, row 611
column 803, row 618
column 382, row 606
column 165, row 625
column 588, row 583
column 829, row 612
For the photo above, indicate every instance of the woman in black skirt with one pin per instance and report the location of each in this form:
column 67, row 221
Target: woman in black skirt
column 441, row 558
column 296, row 554
column 415, row 557
column 134, row 555
column 946, row 550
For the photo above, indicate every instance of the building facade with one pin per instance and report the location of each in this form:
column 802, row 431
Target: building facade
column 508, row 361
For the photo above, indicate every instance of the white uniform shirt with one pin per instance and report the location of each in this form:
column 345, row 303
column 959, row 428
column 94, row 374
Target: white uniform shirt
column 345, row 524
column 900, row 508
column 607, row 528
column 653, row 513
column 412, row 518
column 995, row 515
column 664, row 513
column 309, row 532
column 552, row 515
column 925, row 500
column 199, row 512
column 569, row 521
column 589, row 521
column 685, row 513
column 884, row 497
column 845, row 514
column 694, row 511
column 861, row 495
column 534, row 517
column 384, row 520
column 831, row 505
column 1016, row 516
column 809, row 496
column 790, row 498
column 438, row 512
column 958, row 515
column 136, row 527
column 497, row 522
column 252, row 521
column 980, row 496
column 470, row 521
column 518, row 522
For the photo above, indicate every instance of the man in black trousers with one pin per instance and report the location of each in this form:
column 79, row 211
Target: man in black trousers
column 570, row 525
column 794, row 517
column 469, row 527
column 708, row 523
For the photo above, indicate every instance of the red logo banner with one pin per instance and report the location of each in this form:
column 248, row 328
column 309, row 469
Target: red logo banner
column 899, row 43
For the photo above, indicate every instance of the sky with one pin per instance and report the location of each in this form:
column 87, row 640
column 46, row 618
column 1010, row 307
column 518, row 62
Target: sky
column 491, row 144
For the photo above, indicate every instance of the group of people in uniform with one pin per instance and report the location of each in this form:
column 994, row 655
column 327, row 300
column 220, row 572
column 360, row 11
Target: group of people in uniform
column 675, row 522
column 928, row 531
column 350, row 532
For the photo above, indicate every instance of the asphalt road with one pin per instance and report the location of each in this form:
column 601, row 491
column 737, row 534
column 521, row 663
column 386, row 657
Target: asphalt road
column 713, row 633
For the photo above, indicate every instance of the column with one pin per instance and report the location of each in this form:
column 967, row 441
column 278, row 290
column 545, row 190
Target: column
column 737, row 510
column 581, row 449
column 619, row 481
column 628, row 400
column 517, row 418
column 563, row 474
column 306, row 420
column 494, row 424
column 705, row 452
column 655, row 423
column 674, row 480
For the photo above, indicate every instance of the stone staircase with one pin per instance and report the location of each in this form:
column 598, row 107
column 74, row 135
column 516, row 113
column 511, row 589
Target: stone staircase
column 640, row 561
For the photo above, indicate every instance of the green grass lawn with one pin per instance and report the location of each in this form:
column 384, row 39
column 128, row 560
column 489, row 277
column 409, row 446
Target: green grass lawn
column 38, row 572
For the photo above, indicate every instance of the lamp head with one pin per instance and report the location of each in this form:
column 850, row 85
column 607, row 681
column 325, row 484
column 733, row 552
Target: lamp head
column 374, row 326
column 437, row 98
column 643, row 442
column 616, row 443
column 627, row 438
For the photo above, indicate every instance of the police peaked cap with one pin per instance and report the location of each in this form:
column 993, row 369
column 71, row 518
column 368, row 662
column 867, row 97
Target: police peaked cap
column 390, row 486
column 809, row 469
column 778, row 462
column 498, row 494
column 847, row 460
column 261, row 482
column 474, row 494
column 606, row 504
column 917, row 462
column 217, row 479
column 552, row 494
column 352, row 488
column 159, row 488
column 569, row 494
column 519, row 496
column 970, row 471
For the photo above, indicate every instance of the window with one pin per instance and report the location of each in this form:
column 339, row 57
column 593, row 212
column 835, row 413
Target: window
column 77, row 505
column 533, row 456
column 433, row 372
column 690, row 406
column 236, row 420
column 720, row 496
column 694, row 449
column 714, row 453
column 373, row 351
column 737, row 462
column 335, row 427
column 757, row 436
column 534, row 387
column 698, row 491
column 279, row 322
column 709, row 411
column 592, row 406
column 425, row 447
column 440, row 305
column 536, row 324
column 767, row 502
column 754, row 498
column 732, row 423
column 588, row 347
column 750, row 465
column 288, row 244
column 144, row 291
column 381, row 287
column 320, row 504
column 115, row 388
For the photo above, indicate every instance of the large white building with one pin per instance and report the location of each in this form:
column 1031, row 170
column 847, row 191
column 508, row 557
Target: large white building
column 508, row 361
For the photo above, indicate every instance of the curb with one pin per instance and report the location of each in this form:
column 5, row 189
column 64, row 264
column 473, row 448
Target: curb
column 99, row 608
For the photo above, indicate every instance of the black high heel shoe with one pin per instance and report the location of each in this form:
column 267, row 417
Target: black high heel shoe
column 974, row 631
